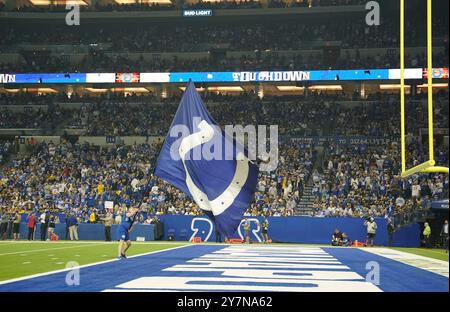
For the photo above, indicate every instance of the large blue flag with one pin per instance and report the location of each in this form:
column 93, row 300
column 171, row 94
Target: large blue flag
column 211, row 167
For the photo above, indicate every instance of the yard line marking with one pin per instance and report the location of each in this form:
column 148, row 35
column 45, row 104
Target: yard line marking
column 18, row 279
column 27, row 262
column 238, row 273
column 45, row 249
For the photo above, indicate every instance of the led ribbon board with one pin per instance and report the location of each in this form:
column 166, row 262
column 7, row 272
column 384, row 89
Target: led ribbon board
column 244, row 76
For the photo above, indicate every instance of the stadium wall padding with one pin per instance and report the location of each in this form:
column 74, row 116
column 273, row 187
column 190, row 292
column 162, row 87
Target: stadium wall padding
column 306, row 230
column 88, row 231
column 296, row 229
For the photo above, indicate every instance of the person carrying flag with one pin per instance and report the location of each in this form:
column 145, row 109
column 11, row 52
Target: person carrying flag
column 124, row 230
column 222, row 184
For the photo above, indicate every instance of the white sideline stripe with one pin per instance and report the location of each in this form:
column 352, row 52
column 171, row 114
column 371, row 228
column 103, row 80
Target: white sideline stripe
column 18, row 279
column 45, row 249
column 425, row 263
column 437, row 252
column 90, row 242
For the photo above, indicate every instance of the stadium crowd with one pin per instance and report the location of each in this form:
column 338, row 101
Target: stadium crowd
column 235, row 37
column 279, row 192
column 359, row 180
column 101, row 61
column 314, row 114
column 364, row 180
column 5, row 150
column 78, row 179
column 121, row 47
column 39, row 119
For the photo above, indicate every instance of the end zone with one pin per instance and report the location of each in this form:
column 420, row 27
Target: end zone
column 207, row 267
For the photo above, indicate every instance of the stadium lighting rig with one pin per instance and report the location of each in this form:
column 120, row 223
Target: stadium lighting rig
column 429, row 165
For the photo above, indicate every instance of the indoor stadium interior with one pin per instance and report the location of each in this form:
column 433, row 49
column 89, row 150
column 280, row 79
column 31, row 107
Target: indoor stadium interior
column 91, row 89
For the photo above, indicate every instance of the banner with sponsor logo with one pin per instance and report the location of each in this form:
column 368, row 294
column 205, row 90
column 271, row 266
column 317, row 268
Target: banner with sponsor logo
column 128, row 77
column 344, row 140
column 197, row 13
column 440, row 204
column 441, row 73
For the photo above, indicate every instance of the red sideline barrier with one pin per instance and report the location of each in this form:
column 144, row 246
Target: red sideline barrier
column 233, row 240
column 196, row 239
column 357, row 244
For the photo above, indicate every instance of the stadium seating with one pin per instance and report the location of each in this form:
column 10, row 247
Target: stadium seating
column 239, row 45
column 317, row 175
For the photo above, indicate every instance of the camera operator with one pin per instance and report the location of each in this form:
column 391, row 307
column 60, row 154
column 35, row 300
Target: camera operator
column 4, row 219
column 108, row 221
column 345, row 240
column 390, row 230
column 444, row 235
column 246, row 227
column 336, row 238
column 371, row 231
column 265, row 229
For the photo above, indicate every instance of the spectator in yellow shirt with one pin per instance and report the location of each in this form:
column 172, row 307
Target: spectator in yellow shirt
column 100, row 188
column 92, row 217
column 426, row 235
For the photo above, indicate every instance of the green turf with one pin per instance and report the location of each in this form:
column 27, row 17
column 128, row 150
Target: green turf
column 430, row 253
column 19, row 259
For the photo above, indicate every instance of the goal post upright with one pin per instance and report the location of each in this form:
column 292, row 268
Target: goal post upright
column 430, row 81
column 429, row 165
column 402, row 84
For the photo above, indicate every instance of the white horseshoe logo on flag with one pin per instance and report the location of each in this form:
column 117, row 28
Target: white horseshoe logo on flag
column 224, row 200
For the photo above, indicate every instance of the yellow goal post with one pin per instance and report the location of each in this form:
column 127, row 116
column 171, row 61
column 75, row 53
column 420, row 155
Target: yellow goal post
column 428, row 166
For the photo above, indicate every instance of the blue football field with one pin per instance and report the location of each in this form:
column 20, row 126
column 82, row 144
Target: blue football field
column 256, row 267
